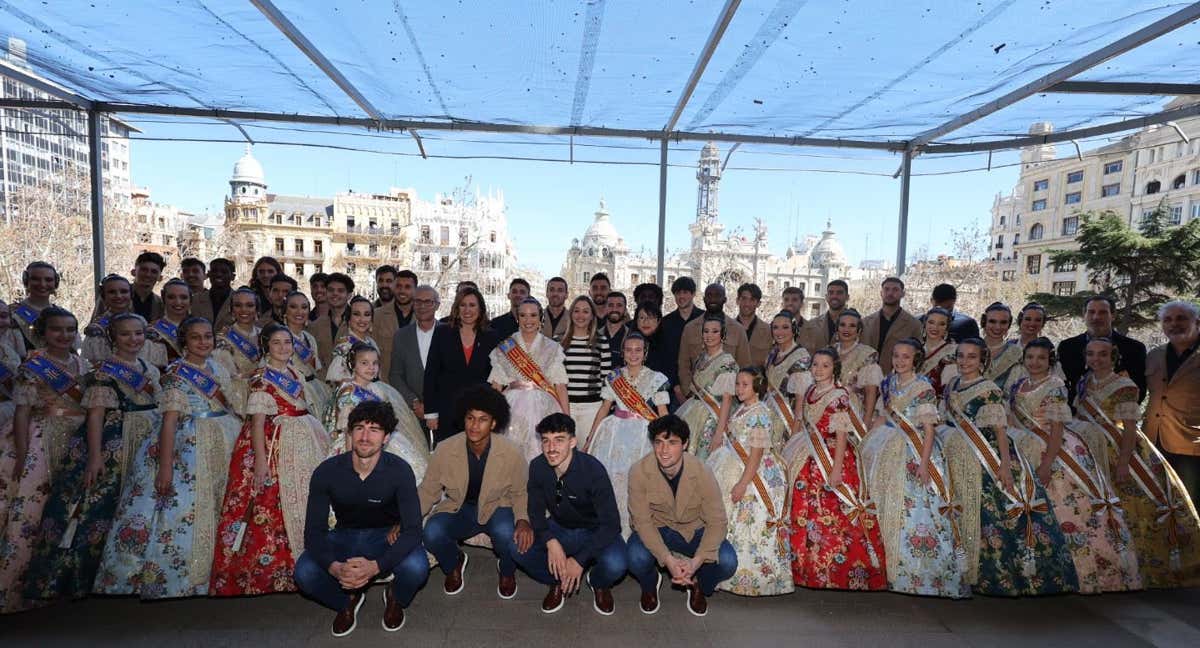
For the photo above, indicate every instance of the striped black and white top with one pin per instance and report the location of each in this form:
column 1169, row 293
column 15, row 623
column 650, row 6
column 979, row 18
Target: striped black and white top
column 586, row 369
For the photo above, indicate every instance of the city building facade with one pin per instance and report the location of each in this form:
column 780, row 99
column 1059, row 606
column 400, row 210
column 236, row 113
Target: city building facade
column 712, row 256
column 1157, row 165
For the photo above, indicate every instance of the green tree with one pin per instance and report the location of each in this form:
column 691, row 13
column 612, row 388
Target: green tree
column 1140, row 268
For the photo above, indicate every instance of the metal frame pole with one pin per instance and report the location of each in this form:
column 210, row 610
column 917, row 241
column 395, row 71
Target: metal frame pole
column 662, row 212
column 95, row 157
column 902, row 233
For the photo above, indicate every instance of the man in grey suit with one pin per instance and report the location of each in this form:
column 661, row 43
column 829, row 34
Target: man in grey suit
column 410, row 349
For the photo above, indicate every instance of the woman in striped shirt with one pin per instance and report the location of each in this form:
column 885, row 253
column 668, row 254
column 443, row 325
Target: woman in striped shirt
column 588, row 361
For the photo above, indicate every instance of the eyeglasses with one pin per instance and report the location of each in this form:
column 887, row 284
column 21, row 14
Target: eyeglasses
column 424, row 301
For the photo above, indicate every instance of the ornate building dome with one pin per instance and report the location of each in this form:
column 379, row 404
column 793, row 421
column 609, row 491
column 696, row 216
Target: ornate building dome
column 248, row 169
column 828, row 251
column 601, row 236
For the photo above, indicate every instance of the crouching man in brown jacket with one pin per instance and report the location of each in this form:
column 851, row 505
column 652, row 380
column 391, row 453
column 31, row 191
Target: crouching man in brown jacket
column 675, row 507
column 476, row 483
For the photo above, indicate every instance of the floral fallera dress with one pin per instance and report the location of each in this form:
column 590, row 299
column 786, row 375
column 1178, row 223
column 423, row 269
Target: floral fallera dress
column 1097, row 536
column 758, row 527
column 131, row 416
column 829, row 550
column 338, row 371
column 1019, row 554
column 1161, row 517
column 296, row 444
column 54, row 418
column 860, row 369
column 238, row 361
column 161, row 546
column 307, row 362
column 938, row 366
column 621, row 438
column 784, row 370
column 924, row 551
column 529, row 402
column 407, row 441
column 1004, row 362
column 712, row 379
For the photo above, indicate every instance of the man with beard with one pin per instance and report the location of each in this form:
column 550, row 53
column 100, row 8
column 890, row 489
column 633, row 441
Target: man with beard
column 758, row 332
column 818, row 333
column 616, row 314
column 1173, row 373
column 328, row 329
column 213, row 304
column 555, row 322
column 691, row 346
column 792, row 301
column 192, row 271
column 371, row 493
column 393, row 309
column 575, row 520
column 885, row 327
column 280, row 287
column 506, row 324
column 316, row 290
column 598, row 289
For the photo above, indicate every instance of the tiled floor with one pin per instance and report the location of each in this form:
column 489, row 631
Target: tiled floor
column 478, row 618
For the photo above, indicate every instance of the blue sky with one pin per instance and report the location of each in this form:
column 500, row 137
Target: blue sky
column 194, row 176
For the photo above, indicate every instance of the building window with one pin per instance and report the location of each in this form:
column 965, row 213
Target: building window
column 317, row 267
column 1039, row 204
column 1070, row 225
column 1196, row 177
column 492, row 236
column 394, row 250
column 1153, row 186
column 299, row 243
column 373, row 250
column 299, row 269
column 1113, row 167
column 445, row 235
column 1041, row 185
column 351, row 268
column 815, row 310
column 633, row 279
column 1033, row 264
column 1195, row 211
column 1075, row 176
column 462, row 237
column 426, row 262
column 317, row 245
column 1008, row 275
column 816, row 288
column 1063, row 288
column 1073, row 198
column 445, row 262
column 1176, row 214
column 1110, row 190
column 999, row 241
column 1001, row 220
column 1065, row 266
column 585, row 277
column 279, row 245
column 426, row 235
column 1179, row 181
column 1035, row 232
column 349, row 221
column 351, row 249
column 1016, row 238
column 395, row 227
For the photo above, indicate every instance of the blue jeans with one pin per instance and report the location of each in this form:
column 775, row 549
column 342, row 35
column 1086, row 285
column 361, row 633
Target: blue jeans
column 607, row 567
column 443, row 532
column 318, row 584
column 644, row 566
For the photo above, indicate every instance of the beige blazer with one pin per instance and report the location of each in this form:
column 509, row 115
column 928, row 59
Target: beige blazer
column 904, row 326
column 1173, row 409
column 383, row 328
column 698, row 505
column 691, row 346
column 564, row 325
column 202, row 307
column 319, row 329
column 760, row 342
column 504, row 479
column 815, row 333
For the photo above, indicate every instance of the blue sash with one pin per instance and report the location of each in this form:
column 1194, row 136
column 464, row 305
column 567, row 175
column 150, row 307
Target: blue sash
column 55, row 378
column 135, row 380
column 362, row 394
column 302, row 350
column 289, row 386
column 27, row 314
column 167, row 330
column 248, row 348
column 198, row 379
column 5, row 374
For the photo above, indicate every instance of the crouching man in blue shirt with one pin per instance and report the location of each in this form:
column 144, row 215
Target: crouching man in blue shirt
column 575, row 521
column 370, row 492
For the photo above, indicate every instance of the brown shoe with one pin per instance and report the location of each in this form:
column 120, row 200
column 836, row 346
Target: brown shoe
column 455, row 580
column 696, row 603
column 347, row 619
column 602, row 601
column 507, row 585
column 649, row 603
column 553, row 601
column 393, row 614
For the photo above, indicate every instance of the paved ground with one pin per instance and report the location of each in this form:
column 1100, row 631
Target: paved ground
column 478, row 618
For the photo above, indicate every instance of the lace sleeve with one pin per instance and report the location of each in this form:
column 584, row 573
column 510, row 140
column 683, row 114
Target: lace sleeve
column 870, row 376
column 799, row 382
column 100, row 395
column 499, row 374
column 606, row 391
column 556, row 372
column 927, row 414
column 840, row 422
column 991, row 415
column 1127, row 410
column 723, row 385
column 662, row 396
column 260, row 402
column 174, row 400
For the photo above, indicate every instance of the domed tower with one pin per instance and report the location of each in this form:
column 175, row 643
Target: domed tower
column 248, row 184
column 708, row 175
column 828, row 252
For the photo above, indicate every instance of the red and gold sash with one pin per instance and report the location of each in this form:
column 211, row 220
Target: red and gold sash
column 1168, row 506
column 525, row 364
column 630, row 397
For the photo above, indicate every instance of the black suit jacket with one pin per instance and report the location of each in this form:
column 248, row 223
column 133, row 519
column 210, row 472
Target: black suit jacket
column 962, row 327
column 1071, row 354
column 447, row 374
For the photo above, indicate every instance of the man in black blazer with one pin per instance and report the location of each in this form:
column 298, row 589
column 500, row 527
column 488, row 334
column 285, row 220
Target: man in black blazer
column 962, row 326
column 447, row 369
column 1098, row 317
